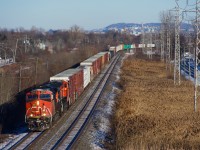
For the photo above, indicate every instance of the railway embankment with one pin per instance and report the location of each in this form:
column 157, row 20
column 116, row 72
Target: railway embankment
column 151, row 112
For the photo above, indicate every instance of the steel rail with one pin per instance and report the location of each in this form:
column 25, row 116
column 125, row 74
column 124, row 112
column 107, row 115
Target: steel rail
column 84, row 115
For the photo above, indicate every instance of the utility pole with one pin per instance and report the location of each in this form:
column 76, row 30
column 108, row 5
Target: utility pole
column 177, row 71
column 150, row 41
column 143, row 36
column 197, row 53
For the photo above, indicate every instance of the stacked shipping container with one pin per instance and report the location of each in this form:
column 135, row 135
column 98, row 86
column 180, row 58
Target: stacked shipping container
column 92, row 64
column 74, row 77
column 80, row 77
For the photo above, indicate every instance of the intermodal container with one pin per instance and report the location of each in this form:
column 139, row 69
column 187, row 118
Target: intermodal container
column 119, row 47
column 105, row 57
column 74, row 77
column 86, row 75
column 92, row 63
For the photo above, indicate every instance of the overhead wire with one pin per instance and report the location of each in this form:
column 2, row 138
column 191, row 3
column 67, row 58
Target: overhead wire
column 188, row 9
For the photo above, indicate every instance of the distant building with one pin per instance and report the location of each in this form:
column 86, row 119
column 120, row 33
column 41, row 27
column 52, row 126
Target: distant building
column 41, row 46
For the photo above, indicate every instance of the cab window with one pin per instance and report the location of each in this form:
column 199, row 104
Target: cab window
column 45, row 96
column 32, row 97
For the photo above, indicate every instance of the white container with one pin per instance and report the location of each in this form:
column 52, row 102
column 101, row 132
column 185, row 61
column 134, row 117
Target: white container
column 86, row 76
column 133, row 46
column 112, row 48
column 150, row 45
column 89, row 61
column 65, row 75
column 141, row 45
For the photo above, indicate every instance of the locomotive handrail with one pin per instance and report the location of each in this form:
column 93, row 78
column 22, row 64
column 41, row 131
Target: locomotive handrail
column 26, row 114
column 50, row 114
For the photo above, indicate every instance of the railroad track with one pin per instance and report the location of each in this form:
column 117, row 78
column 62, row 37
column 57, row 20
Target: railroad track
column 71, row 135
column 25, row 141
column 69, row 132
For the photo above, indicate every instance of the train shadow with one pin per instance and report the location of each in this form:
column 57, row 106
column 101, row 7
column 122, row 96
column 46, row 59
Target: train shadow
column 12, row 114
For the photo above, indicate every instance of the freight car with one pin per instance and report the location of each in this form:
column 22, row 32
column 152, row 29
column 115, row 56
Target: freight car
column 63, row 89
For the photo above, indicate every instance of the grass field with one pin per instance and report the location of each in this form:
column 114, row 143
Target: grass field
column 153, row 113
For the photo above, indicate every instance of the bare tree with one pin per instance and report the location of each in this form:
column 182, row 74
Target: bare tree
column 76, row 35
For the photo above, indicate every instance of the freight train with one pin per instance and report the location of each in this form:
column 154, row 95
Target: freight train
column 63, row 89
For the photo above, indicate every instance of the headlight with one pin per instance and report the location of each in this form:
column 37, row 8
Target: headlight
column 31, row 115
column 44, row 114
column 38, row 103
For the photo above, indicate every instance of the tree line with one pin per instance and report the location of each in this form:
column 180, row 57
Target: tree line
column 38, row 54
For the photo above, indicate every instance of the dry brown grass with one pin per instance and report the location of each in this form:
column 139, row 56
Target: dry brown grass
column 151, row 112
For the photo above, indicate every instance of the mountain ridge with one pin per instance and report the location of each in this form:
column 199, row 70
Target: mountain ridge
column 136, row 28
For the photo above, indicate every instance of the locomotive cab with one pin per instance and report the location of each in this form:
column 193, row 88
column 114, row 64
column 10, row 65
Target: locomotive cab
column 39, row 109
column 43, row 103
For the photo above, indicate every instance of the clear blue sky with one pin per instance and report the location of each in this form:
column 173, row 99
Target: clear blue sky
column 88, row 14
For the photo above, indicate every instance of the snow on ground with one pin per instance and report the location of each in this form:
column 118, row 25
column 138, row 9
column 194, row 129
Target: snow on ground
column 102, row 116
column 102, row 121
column 13, row 138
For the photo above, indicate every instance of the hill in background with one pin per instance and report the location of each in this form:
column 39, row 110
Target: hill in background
column 136, row 28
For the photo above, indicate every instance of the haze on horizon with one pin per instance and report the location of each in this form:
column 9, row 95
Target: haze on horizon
column 88, row 14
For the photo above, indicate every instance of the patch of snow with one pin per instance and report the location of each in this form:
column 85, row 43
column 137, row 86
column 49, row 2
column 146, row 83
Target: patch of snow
column 13, row 138
column 102, row 116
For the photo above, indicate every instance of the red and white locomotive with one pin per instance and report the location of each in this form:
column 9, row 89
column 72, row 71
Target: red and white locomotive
column 43, row 102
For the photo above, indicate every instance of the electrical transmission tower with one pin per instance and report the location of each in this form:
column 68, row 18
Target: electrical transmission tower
column 162, row 42
column 197, row 54
column 143, row 36
column 189, row 47
column 177, row 71
column 168, row 52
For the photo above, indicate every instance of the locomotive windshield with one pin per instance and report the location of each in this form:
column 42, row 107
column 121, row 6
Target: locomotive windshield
column 32, row 97
column 45, row 96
